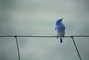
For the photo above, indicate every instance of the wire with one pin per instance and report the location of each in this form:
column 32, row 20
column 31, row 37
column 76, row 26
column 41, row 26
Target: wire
column 43, row 36
column 15, row 36
column 17, row 47
column 76, row 48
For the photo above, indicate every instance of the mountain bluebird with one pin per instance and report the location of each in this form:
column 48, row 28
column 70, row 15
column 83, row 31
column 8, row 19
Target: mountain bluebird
column 60, row 29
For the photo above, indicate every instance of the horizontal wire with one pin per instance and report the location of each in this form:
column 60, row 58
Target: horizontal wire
column 43, row 36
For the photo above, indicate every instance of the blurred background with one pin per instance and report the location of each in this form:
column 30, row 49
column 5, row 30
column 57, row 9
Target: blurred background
column 37, row 17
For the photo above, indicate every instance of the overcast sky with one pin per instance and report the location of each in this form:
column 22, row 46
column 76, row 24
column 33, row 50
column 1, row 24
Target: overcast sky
column 37, row 17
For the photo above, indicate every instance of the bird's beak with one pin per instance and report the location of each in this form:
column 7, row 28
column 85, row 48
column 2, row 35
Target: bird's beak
column 62, row 19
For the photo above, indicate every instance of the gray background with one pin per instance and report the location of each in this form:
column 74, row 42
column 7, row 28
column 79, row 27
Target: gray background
column 37, row 17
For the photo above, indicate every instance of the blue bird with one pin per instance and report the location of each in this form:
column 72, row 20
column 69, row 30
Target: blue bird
column 60, row 29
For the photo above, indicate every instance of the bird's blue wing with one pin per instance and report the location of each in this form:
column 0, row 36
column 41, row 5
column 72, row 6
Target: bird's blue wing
column 60, row 28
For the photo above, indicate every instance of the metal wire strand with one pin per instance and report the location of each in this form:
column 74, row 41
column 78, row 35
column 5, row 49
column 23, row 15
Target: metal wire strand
column 15, row 36
column 43, row 36
column 76, row 48
column 17, row 47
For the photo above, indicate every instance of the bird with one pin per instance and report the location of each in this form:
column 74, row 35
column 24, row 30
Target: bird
column 60, row 29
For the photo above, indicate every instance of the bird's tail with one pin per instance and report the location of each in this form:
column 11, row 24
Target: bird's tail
column 61, row 40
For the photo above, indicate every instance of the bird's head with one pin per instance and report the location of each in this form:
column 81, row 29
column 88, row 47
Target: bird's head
column 58, row 21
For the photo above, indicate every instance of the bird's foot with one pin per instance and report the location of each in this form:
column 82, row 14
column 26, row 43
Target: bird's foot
column 63, row 36
column 57, row 37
